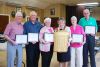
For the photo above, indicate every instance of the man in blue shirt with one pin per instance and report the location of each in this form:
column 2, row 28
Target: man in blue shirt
column 90, row 38
column 32, row 49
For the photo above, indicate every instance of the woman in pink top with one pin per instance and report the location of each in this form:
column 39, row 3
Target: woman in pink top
column 46, row 48
column 76, row 48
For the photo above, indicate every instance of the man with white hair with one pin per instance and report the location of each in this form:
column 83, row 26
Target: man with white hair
column 32, row 49
column 87, row 20
column 14, row 28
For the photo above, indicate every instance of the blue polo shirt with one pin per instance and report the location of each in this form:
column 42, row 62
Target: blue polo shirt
column 29, row 27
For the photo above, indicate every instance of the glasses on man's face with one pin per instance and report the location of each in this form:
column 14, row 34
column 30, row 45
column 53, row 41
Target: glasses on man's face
column 19, row 17
column 33, row 15
column 86, row 13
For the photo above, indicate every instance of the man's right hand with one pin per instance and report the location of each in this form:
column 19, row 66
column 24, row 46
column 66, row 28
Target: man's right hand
column 14, row 43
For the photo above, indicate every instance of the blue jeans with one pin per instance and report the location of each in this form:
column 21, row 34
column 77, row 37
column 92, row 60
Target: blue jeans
column 89, row 46
column 11, row 54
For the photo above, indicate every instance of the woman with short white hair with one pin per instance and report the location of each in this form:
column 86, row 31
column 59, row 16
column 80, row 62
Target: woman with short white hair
column 46, row 48
column 76, row 47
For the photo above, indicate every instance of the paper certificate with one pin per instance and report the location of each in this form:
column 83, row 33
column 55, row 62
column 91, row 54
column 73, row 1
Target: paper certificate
column 49, row 37
column 21, row 39
column 77, row 38
column 90, row 30
column 33, row 37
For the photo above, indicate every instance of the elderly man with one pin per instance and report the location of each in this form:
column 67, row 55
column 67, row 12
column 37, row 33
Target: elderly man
column 87, row 20
column 13, row 28
column 32, row 49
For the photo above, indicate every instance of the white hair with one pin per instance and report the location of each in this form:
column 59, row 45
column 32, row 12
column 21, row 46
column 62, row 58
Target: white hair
column 19, row 13
column 73, row 17
column 47, row 20
column 33, row 12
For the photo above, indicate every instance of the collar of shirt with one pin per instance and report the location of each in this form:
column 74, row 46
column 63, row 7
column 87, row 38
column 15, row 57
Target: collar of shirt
column 87, row 19
column 33, row 23
column 74, row 29
column 19, row 23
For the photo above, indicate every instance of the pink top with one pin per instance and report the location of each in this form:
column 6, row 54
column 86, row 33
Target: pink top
column 12, row 29
column 79, row 30
column 45, row 47
column 45, row 30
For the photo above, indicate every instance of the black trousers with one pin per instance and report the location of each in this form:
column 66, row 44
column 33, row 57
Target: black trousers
column 32, row 54
column 89, row 46
column 46, row 57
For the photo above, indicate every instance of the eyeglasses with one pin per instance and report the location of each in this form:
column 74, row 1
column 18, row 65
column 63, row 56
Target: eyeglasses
column 85, row 13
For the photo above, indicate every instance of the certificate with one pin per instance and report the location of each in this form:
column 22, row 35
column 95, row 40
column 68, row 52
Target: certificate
column 33, row 37
column 77, row 38
column 49, row 37
column 21, row 39
column 90, row 30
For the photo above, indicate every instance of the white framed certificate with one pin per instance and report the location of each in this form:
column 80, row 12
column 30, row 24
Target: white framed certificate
column 49, row 37
column 90, row 29
column 21, row 39
column 33, row 37
column 77, row 38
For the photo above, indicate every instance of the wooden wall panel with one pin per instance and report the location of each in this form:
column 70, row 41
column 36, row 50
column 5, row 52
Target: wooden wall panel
column 4, row 20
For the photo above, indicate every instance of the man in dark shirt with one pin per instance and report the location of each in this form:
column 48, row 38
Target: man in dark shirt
column 32, row 49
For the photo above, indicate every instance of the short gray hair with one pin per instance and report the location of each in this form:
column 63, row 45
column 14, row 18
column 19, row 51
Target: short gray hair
column 33, row 12
column 47, row 20
column 61, row 19
column 18, row 13
column 73, row 17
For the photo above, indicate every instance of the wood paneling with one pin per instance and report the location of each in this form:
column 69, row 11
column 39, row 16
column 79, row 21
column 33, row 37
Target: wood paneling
column 73, row 11
column 54, row 23
column 4, row 20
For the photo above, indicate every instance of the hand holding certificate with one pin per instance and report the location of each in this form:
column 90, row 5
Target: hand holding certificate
column 48, row 37
column 21, row 39
column 90, row 30
column 77, row 38
column 33, row 37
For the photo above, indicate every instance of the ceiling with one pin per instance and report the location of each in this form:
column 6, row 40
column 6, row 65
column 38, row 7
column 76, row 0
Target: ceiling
column 45, row 3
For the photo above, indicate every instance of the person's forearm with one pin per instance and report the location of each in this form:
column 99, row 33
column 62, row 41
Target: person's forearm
column 8, row 39
column 84, row 39
column 41, row 37
column 41, row 40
